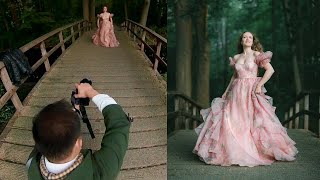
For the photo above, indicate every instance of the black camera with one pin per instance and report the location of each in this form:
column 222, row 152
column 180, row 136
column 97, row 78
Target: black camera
column 80, row 101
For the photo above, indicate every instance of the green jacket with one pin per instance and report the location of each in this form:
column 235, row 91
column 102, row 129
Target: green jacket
column 104, row 163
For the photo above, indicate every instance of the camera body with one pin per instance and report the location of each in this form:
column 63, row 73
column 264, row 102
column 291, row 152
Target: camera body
column 80, row 101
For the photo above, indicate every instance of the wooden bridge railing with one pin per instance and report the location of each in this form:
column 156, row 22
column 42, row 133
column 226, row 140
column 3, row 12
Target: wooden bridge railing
column 299, row 115
column 11, row 90
column 141, row 33
column 185, row 113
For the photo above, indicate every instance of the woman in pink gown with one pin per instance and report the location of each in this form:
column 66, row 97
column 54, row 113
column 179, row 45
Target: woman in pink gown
column 105, row 36
column 241, row 128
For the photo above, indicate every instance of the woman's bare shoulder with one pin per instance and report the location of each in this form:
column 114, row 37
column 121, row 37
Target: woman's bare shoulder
column 236, row 56
column 256, row 53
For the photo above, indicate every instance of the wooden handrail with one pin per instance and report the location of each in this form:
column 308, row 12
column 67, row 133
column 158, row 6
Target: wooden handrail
column 150, row 31
column 131, row 27
column 303, row 112
column 185, row 97
column 33, row 43
column 300, row 96
column 11, row 90
column 301, row 107
column 186, row 112
column 176, row 114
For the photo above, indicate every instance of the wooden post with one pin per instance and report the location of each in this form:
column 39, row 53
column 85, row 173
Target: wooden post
column 176, row 109
column 194, row 113
column 85, row 25
column 9, row 86
column 79, row 26
column 297, row 109
column 44, row 52
column 143, row 39
column 290, row 115
column 130, row 29
column 127, row 26
column 306, row 107
column 156, row 60
column 63, row 48
column 187, row 110
column 186, row 124
column 135, row 32
column 72, row 31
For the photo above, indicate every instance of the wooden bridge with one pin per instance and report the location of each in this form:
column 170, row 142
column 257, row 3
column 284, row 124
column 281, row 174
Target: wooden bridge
column 124, row 73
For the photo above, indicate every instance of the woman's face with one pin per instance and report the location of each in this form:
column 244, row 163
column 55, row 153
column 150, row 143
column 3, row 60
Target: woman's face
column 105, row 9
column 247, row 39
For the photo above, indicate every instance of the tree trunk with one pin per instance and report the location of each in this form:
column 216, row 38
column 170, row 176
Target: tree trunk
column 85, row 8
column 184, row 47
column 125, row 9
column 92, row 11
column 203, row 56
column 291, row 28
column 144, row 14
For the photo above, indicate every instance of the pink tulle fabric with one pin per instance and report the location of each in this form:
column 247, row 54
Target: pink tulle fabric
column 243, row 129
column 104, row 36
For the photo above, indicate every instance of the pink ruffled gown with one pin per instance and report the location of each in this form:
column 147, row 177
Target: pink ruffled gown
column 243, row 129
column 105, row 36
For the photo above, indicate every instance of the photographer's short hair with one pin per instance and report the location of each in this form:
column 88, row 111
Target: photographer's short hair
column 55, row 130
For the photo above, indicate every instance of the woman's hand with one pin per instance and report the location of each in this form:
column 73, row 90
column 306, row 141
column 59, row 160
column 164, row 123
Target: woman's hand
column 258, row 89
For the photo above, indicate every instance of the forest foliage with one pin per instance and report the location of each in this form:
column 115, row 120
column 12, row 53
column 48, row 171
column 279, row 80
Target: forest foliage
column 268, row 20
column 21, row 21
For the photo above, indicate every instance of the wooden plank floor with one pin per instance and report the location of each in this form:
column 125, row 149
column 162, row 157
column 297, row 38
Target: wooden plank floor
column 121, row 72
column 183, row 164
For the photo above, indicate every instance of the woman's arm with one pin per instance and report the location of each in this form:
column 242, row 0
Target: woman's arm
column 267, row 75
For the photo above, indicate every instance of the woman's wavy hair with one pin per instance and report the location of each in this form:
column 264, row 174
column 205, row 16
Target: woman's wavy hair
column 256, row 45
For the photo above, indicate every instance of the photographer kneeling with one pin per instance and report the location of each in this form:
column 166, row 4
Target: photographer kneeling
column 58, row 152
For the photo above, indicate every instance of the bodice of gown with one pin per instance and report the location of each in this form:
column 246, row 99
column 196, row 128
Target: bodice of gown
column 105, row 18
column 250, row 69
column 246, row 70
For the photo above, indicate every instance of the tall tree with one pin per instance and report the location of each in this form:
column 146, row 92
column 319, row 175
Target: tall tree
column 202, row 59
column 85, row 7
column 92, row 11
column 184, row 46
column 290, row 9
column 144, row 14
column 126, row 9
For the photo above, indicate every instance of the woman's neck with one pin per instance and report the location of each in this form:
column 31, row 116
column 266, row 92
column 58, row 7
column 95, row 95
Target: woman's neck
column 247, row 50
